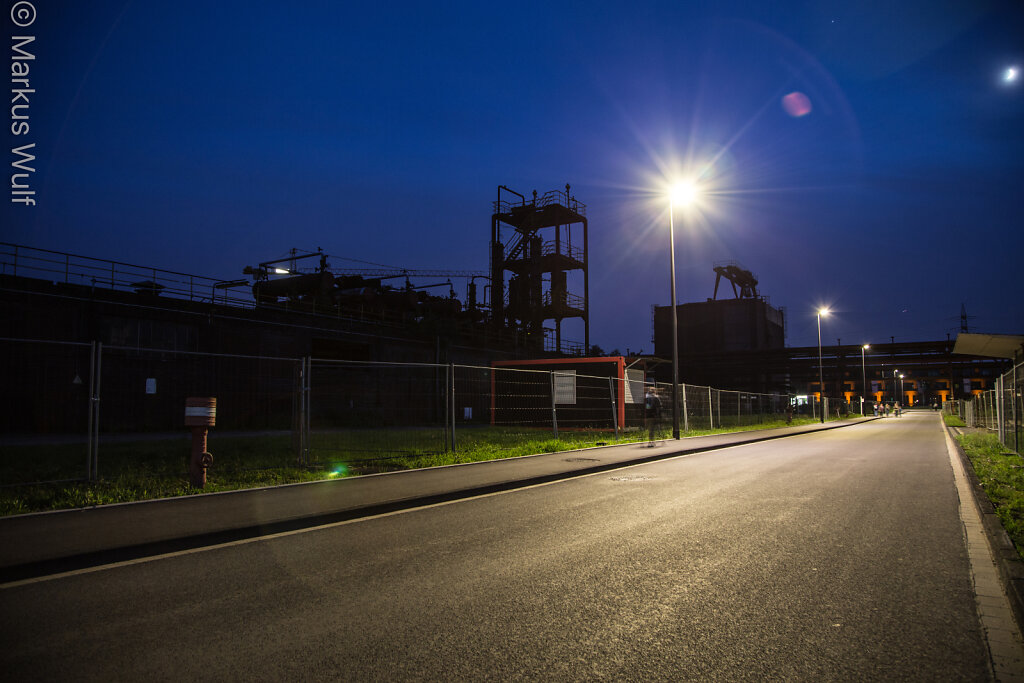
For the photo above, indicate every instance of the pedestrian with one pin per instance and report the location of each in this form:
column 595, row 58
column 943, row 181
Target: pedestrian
column 888, row 409
column 896, row 409
column 876, row 409
column 652, row 412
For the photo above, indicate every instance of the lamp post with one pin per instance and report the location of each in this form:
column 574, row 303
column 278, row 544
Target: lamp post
column 901, row 393
column 821, row 379
column 682, row 193
column 863, row 377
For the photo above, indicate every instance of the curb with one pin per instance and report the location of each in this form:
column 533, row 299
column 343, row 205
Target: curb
column 1007, row 559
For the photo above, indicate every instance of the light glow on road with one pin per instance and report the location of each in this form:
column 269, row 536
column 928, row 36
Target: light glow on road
column 322, row 527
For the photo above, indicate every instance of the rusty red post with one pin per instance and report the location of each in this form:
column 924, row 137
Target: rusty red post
column 200, row 414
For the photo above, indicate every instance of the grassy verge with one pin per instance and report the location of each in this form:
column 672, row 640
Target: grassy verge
column 953, row 421
column 1002, row 477
column 144, row 470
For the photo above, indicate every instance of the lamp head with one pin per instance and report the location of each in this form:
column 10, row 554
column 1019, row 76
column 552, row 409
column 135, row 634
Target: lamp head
column 683, row 193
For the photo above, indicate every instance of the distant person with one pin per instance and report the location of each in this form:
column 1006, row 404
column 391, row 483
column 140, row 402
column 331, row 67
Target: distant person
column 875, row 407
column 888, row 409
column 896, row 410
column 652, row 412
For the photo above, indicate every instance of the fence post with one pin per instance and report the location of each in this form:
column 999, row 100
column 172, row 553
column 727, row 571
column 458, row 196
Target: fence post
column 302, row 410
column 615, row 413
column 304, row 425
column 92, row 408
column 999, row 410
column 309, row 406
column 296, row 440
column 447, row 408
column 686, row 417
column 451, row 391
column 711, row 409
column 1014, row 389
column 554, row 415
column 96, row 413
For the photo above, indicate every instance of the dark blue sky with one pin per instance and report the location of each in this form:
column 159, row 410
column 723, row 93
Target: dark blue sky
column 204, row 137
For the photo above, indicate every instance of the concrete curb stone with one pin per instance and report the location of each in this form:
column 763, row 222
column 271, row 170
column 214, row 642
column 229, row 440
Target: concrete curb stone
column 1008, row 561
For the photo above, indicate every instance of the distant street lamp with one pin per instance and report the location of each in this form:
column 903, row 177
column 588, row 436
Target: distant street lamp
column 863, row 377
column 895, row 374
column 821, row 378
column 901, row 392
column 682, row 194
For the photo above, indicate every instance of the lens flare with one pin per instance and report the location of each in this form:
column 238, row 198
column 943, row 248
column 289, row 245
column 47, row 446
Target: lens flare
column 796, row 104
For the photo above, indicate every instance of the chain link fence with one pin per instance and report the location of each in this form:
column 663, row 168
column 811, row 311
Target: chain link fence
column 999, row 410
column 64, row 402
column 81, row 411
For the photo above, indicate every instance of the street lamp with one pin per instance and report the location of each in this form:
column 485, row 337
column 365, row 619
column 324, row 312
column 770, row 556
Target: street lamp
column 895, row 374
column 821, row 379
column 681, row 194
column 863, row 377
column 901, row 393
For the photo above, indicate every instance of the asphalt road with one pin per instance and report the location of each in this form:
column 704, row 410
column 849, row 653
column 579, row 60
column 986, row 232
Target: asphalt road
column 836, row 555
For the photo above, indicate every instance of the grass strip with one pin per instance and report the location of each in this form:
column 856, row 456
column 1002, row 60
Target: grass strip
column 1001, row 474
column 146, row 470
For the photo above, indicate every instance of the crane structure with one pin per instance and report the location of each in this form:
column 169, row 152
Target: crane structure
column 738, row 276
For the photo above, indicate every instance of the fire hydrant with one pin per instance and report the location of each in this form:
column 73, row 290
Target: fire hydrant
column 200, row 415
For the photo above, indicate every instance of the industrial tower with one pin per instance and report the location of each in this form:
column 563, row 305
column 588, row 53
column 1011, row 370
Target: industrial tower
column 539, row 253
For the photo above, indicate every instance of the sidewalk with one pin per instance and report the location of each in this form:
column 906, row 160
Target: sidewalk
column 50, row 542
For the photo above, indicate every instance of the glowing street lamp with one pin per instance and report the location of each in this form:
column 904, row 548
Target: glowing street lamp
column 821, row 379
column 863, row 377
column 895, row 374
column 680, row 194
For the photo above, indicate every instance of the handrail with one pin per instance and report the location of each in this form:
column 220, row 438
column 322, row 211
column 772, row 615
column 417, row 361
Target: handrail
column 554, row 197
column 116, row 275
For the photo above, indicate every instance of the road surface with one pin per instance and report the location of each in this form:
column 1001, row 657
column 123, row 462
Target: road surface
column 837, row 555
